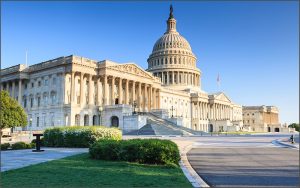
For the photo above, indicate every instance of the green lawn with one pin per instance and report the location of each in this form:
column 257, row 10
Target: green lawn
column 81, row 171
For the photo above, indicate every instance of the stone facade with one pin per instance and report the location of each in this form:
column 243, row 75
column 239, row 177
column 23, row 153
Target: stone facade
column 74, row 90
column 261, row 118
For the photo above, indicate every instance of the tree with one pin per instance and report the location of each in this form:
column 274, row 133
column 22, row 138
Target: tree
column 11, row 113
column 295, row 125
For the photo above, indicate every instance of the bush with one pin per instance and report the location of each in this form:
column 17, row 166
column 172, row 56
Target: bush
column 19, row 145
column 145, row 151
column 5, row 146
column 79, row 136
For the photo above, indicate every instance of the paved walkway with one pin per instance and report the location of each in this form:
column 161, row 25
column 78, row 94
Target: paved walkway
column 20, row 158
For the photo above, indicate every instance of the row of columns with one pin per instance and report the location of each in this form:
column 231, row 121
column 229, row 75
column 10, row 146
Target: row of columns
column 181, row 77
column 13, row 89
column 221, row 112
column 149, row 100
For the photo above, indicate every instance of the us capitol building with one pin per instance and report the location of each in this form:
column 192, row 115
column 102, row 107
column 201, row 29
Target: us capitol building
column 74, row 90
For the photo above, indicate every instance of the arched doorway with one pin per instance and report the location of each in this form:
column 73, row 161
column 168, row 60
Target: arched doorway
column 116, row 101
column 276, row 129
column 114, row 121
column 269, row 129
column 77, row 119
column 95, row 120
column 86, row 120
column 211, row 128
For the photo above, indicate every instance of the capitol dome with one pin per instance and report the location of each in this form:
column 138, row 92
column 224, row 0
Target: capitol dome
column 172, row 59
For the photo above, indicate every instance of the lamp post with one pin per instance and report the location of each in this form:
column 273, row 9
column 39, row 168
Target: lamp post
column 134, row 106
column 30, row 125
column 172, row 109
column 100, row 114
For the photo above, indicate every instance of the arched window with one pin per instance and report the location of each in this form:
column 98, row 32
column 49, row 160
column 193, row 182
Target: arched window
column 86, row 120
column 166, row 61
column 95, row 120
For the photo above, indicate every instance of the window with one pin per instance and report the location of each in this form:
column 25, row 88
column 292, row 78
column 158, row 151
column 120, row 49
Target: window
column 248, row 121
column 39, row 101
column 54, row 81
column 46, row 82
column 31, row 102
column 32, row 85
column 53, row 98
column 45, row 100
column 39, row 83
column 52, row 118
column 247, row 114
column 253, row 121
column 44, row 120
column 253, row 114
column 25, row 86
column 25, row 102
column 37, row 121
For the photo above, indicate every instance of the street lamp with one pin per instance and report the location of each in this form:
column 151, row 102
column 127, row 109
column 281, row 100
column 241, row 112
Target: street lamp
column 30, row 125
column 134, row 106
column 100, row 113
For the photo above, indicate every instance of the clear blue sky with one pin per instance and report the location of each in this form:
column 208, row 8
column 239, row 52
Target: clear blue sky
column 254, row 46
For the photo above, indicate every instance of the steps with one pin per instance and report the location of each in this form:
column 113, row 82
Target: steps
column 158, row 126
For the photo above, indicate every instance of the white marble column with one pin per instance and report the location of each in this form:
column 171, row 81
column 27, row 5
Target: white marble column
column 120, row 91
column 72, row 87
column 105, row 92
column 150, row 98
column 140, row 96
column 90, row 89
column 99, row 102
column 145, row 98
column 81, row 88
column 112, row 94
column 168, row 80
column 133, row 91
column 20, row 92
column 127, row 92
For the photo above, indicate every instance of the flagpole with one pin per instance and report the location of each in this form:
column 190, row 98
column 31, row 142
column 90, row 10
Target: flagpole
column 26, row 58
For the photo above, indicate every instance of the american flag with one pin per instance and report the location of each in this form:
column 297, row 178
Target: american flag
column 218, row 80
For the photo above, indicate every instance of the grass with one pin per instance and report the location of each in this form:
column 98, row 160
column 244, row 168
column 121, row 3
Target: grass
column 81, row 171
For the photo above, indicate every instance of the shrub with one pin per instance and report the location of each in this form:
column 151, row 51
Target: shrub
column 19, row 145
column 79, row 136
column 145, row 151
column 5, row 146
column 30, row 146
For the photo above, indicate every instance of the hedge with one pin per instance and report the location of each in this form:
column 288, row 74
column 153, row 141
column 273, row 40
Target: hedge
column 79, row 136
column 22, row 145
column 145, row 151
column 5, row 146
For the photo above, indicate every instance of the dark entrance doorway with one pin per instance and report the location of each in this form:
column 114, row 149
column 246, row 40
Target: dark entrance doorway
column 211, row 128
column 114, row 121
column 277, row 129
column 269, row 129
column 116, row 101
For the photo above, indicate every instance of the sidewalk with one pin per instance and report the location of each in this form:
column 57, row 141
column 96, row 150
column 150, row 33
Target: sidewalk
column 286, row 142
column 20, row 158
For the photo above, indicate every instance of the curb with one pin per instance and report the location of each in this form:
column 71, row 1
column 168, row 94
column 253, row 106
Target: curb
column 279, row 142
column 188, row 171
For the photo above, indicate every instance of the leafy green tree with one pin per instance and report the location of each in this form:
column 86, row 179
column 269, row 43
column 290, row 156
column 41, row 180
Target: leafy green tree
column 11, row 113
column 295, row 125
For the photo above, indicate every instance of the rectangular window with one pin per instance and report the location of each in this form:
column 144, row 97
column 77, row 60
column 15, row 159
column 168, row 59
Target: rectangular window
column 39, row 101
column 31, row 102
column 37, row 121
column 46, row 82
column 44, row 120
column 54, row 81
column 32, row 85
column 39, row 83
column 25, row 103
column 25, row 86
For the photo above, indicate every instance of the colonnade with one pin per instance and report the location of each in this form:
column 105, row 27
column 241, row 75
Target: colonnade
column 116, row 90
column 221, row 112
column 178, row 77
column 13, row 88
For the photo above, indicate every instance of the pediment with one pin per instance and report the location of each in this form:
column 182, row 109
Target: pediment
column 222, row 97
column 131, row 69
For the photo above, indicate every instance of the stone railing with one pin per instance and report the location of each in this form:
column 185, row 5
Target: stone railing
column 12, row 69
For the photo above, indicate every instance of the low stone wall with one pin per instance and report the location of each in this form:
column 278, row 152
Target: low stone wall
column 134, row 122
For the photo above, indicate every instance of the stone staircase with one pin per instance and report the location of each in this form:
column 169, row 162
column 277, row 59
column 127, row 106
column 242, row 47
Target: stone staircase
column 158, row 126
